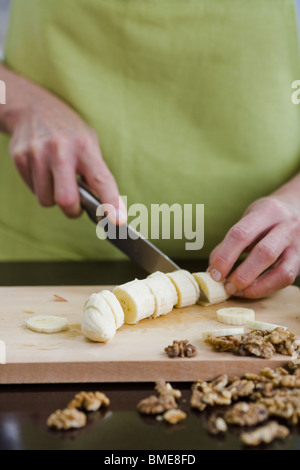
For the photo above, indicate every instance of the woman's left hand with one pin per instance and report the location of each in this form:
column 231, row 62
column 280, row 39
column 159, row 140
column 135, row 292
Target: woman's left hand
column 270, row 232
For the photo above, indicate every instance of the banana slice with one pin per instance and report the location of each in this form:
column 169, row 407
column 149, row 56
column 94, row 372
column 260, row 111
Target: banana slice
column 235, row 315
column 211, row 291
column 222, row 332
column 98, row 322
column 164, row 293
column 261, row 325
column 188, row 291
column 136, row 299
column 115, row 305
column 46, row 323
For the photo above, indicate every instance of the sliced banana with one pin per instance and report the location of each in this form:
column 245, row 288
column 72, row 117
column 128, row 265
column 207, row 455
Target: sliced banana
column 136, row 299
column 211, row 291
column 98, row 322
column 235, row 315
column 222, row 332
column 46, row 323
column 188, row 291
column 115, row 305
column 164, row 293
column 261, row 325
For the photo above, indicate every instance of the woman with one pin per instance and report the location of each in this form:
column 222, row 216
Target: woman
column 182, row 101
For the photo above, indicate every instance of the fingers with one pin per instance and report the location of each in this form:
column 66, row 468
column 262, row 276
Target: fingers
column 42, row 179
column 98, row 177
column 49, row 168
column 282, row 274
column 66, row 194
column 263, row 255
column 252, row 226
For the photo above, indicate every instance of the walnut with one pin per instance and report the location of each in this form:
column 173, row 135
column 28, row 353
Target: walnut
column 293, row 367
column 165, row 401
column 67, row 419
column 89, row 401
column 297, row 372
column 246, row 414
column 217, row 398
column 155, row 405
column 278, row 406
column 173, row 416
column 216, row 424
column 283, row 340
column 262, row 333
column 290, row 381
column 164, row 388
column 211, row 393
column 256, row 346
column 219, row 383
column 262, row 389
column 265, row 434
column 223, row 343
column 255, row 377
column 181, row 349
column 273, row 373
column 197, row 400
column 284, row 404
column 241, row 388
column 280, row 335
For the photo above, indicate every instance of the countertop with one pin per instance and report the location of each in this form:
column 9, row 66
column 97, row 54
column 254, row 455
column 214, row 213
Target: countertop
column 24, row 409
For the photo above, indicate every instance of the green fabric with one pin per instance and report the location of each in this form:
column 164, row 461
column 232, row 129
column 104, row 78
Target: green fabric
column 191, row 100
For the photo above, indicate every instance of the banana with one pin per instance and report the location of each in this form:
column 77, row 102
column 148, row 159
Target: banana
column 235, row 315
column 114, row 304
column 260, row 325
column 188, row 291
column 136, row 299
column 98, row 322
column 222, row 332
column 164, row 293
column 211, row 291
column 46, row 323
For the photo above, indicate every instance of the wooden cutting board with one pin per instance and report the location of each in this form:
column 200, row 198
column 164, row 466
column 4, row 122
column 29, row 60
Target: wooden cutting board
column 136, row 353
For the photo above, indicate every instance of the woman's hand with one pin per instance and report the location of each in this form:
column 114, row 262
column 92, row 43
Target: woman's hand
column 270, row 232
column 51, row 144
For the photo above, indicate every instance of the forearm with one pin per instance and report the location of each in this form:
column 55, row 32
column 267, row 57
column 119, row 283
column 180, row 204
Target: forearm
column 22, row 94
column 18, row 91
column 290, row 192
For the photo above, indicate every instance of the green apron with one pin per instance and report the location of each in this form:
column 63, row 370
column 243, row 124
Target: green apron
column 191, row 100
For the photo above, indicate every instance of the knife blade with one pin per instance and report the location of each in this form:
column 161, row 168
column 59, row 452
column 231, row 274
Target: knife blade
column 127, row 239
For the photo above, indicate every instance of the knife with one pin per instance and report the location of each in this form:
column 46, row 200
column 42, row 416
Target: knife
column 133, row 244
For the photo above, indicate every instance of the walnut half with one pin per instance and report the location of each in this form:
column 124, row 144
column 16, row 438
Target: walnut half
column 67, row 419
column 89, row 401
column 181, row 349
column 265, row 434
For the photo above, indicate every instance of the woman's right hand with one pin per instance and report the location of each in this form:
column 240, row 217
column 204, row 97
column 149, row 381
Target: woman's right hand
column 51, row 145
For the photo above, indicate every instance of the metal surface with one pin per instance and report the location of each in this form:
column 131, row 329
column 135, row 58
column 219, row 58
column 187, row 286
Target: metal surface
column 128, row 240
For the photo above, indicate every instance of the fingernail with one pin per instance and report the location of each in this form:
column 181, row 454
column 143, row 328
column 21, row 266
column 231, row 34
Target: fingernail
column 230, row 289
column 215, row 274
column 121, row 212
column 121, row 216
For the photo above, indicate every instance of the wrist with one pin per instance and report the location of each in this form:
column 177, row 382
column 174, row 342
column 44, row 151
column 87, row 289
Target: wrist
column 20, row 95
column 289, row 193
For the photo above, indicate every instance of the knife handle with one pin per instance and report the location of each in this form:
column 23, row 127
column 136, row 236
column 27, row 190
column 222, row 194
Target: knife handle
column 89, row 202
